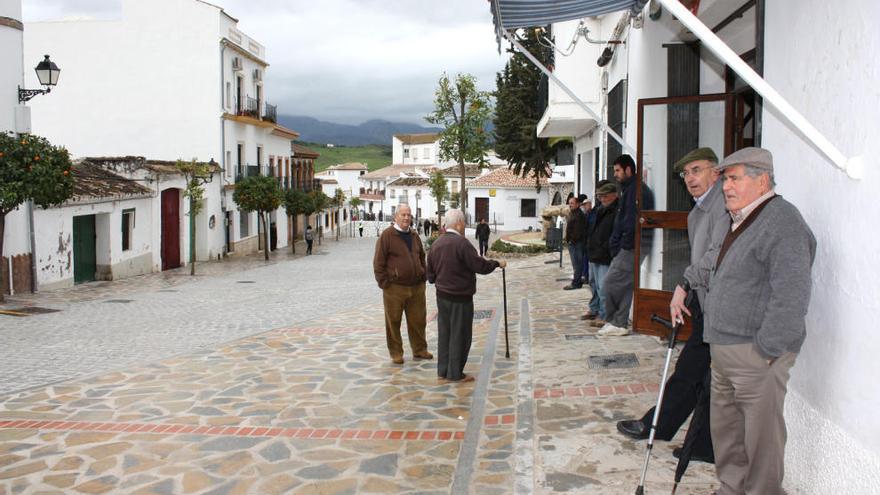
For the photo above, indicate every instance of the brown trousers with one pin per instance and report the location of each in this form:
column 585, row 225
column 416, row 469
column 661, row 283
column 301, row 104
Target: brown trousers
column 748, row 426
column 399, row 299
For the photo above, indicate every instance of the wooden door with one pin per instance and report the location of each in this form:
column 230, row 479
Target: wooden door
column 669, row 128
column 482, row 209
column 84, row 257
column 170, row 229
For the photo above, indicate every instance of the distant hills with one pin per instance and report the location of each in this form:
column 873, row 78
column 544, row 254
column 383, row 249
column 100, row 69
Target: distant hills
column 374, row 131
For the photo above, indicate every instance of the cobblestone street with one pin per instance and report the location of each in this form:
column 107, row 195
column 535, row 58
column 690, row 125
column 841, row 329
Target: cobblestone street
column 257, row 378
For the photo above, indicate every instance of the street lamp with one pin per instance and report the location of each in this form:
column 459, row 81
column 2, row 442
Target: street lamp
column 47, row 73
column 418, row 197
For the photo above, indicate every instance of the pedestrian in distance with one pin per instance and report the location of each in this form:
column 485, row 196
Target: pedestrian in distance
column 483, row 236
column 427, row 228
column 361, row 227
column 399, row 268
column 310, row 238
column 452, row 267
column 758, row 295
column 708, row 223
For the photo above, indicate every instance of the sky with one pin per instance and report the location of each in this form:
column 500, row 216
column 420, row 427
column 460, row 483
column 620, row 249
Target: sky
column 347, row 61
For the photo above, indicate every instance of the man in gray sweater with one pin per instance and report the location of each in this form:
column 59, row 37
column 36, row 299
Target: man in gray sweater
column 758, row 292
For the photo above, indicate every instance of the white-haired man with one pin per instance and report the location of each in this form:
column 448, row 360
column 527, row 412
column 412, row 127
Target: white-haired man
column 452, row 267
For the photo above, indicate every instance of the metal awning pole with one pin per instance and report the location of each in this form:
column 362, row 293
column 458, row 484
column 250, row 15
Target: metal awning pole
column 570, row 93
column 852, row 166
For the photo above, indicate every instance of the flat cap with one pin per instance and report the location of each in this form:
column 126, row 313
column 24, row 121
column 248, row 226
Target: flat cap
column 606, row 188
column 697, row 154
column 755, row 157
column 582, row 198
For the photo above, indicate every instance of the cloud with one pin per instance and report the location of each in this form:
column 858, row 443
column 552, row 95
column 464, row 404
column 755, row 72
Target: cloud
column 349, row 60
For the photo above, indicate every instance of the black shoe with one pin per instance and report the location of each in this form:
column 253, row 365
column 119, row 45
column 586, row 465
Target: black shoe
column 633, row 428
column 571, row 287
column 695, row 456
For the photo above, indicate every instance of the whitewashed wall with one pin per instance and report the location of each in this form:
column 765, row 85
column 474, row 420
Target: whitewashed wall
column 830, row 75
column 504, row 207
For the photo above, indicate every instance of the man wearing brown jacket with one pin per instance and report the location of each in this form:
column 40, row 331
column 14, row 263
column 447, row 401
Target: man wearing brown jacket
column 399, row 266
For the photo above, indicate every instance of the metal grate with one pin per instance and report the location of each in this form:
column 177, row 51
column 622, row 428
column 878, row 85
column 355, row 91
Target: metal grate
column 613, row 361
column 168, row 290
column 119, row 301
column 579, row 337
column 482, row 314
column 246, row 282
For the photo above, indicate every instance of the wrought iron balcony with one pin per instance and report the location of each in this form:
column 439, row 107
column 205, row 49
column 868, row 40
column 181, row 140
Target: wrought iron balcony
column 243, row 171
column 248, row 106
column 271, row 113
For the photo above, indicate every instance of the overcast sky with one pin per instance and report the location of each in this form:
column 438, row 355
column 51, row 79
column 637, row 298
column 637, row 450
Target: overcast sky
column 347, row 61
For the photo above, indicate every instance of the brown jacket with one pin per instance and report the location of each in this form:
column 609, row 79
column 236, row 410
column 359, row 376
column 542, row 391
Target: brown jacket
column 394, row 263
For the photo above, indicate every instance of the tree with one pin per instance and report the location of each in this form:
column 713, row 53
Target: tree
column 437, row 186
column 517, row 110
column 297, row 203
column 454, row 199
column 260, row 194
column 321, row 202
column 355, row 202
column 196, row 174
column 31, row 169
column 463, row 111
column 338, row 201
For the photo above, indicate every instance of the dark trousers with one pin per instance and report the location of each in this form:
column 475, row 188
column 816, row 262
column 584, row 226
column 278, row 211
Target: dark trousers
column 309, row 247
column 576, row 254
column 684, row 387
column 484, row 246
column 455, row 322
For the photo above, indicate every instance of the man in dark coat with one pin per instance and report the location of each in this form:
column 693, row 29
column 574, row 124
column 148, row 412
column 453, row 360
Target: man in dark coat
column 452, row 267
column 708, row 223
column 597, row 246
column 576, row 236
column 483, row 236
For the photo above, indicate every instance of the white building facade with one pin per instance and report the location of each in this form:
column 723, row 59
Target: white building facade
column 169, row 93
column 507, row 200
column 666, row 95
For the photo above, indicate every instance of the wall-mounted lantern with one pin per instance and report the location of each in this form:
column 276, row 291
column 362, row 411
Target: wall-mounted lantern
column 47, row 73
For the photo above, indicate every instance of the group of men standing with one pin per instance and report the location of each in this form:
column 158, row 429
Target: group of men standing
column 751, row 257
column 401, row 268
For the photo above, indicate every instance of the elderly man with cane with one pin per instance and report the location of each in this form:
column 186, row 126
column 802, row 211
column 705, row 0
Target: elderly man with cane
column 758, row 295
column 708, row 223
column 452, row 267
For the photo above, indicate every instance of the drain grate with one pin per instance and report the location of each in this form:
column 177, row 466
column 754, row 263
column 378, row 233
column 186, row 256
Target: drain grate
column 119, row 301
column 482, row 314
column 613, row 361
column 28, row 311
column 579, row 337
column 246, row 282
column 168, row 290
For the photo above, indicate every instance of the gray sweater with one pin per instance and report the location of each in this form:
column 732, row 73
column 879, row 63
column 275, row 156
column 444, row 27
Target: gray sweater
column 760, row 291
column 708, row 223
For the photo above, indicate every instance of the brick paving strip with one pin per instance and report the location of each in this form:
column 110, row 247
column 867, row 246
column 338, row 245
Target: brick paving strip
column 596, row 390
column 245, row 431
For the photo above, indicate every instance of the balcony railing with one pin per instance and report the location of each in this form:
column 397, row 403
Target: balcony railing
column 248, row 106
column 243, row 171
column 271, row 113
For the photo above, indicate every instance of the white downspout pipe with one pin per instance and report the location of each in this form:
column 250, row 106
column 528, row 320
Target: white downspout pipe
column 854, row 167
column 567, row 91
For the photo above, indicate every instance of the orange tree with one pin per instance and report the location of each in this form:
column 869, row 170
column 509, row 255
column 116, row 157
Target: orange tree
column 260, row 194
column 31, row 169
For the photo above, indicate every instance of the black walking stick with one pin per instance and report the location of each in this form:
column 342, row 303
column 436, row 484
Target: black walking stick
column 506, row 340
column 674, row 327
column 699, row 421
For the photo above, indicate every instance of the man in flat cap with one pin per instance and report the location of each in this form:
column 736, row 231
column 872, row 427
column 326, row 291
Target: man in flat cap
column 598, row 236
column 575, row 237
column 708, row 223
column 757, row 297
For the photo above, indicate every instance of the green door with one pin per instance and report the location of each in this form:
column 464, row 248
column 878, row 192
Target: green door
column 84, row 262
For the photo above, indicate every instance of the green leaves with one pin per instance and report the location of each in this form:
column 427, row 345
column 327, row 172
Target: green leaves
column 298, row 203
column 437, row 186
column 260, row 193
column 32, row 168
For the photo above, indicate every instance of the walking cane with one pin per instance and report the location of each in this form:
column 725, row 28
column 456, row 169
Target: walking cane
column 506, row 340
column 674, row 326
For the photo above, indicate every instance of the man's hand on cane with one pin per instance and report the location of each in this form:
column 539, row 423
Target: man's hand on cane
column 677, row 306
column 502, row 264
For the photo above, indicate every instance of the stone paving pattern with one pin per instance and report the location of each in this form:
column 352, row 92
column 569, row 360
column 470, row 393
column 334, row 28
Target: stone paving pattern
column 285, row 386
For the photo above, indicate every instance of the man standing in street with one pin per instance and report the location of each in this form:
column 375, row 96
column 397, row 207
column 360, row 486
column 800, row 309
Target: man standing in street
column 452, row 267
column 483, row 236
column 758, row 296
column 619, row 281
column 575, row 236
column 708, row 223
column 600, row 253
column 361, row 227
column 399, row 267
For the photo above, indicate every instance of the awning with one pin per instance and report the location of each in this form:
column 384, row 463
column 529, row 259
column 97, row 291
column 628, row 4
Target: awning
column 512, row 14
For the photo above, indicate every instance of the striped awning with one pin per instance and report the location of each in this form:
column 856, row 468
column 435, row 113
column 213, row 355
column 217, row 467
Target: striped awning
column 512, row 14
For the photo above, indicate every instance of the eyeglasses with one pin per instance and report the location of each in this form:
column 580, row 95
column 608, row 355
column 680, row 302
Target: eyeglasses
column 695, row 171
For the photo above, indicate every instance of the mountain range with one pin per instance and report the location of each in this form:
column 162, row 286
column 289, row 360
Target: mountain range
column 374, row 131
